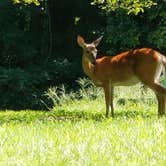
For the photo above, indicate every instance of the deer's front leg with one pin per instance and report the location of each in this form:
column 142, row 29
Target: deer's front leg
column 107, row 97
column 111, row 101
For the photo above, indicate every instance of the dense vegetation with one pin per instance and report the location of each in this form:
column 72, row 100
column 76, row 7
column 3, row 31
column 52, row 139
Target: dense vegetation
column 38, row 41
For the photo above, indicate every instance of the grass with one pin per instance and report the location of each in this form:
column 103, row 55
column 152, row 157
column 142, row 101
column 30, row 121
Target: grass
column 76, row 133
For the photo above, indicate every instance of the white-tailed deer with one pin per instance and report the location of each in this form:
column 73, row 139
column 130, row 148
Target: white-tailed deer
column 128, row 68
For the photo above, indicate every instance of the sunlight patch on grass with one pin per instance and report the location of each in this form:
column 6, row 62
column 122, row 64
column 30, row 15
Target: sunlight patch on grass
column 133, row 141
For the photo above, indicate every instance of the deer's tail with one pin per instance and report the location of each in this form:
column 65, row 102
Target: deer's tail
column 164, row 65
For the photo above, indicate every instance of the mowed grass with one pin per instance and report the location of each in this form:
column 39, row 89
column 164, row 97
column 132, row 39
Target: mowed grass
column 76, row 133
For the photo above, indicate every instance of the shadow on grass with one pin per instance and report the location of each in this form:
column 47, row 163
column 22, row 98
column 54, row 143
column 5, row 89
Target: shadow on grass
column 65, row 116
column 28, row 116
column 130, row 114
column 75, row 116
column 21, row 116
column 78, row 115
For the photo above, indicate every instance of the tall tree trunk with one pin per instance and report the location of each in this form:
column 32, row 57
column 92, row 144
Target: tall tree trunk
column 60, row 19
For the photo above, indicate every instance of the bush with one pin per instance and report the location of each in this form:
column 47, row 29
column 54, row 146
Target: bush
column 19, row 89
column 61, row 70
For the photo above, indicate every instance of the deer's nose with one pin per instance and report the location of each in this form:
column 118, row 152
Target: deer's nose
column 94, row 61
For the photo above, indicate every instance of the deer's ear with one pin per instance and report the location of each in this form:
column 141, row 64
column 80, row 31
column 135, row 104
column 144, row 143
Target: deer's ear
column 80, row 41
column 96, row 42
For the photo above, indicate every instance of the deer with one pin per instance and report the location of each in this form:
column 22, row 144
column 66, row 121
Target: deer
column 128, row 68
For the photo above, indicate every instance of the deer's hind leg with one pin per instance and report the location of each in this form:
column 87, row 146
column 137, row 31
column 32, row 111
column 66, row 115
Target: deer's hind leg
column 151, row 79
column 160, row 92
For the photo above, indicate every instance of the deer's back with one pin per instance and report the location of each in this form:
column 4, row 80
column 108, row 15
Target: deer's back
column 123, row 68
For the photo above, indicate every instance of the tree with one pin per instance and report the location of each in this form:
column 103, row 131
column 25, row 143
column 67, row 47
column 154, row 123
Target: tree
column 133, row 23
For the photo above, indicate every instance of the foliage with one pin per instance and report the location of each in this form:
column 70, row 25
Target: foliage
column 125, row 32
column 20, row 89
column 20, row 35
column 131, row 6
column 38, row 42
column 36, row 2
column 122, row 33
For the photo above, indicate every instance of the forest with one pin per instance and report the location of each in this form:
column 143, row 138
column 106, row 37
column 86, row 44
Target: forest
column 38, row 47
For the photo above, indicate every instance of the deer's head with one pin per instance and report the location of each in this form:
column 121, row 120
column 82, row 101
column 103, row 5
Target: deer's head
column 89, row 50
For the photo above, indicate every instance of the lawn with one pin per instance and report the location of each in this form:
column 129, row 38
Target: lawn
column 76, row 133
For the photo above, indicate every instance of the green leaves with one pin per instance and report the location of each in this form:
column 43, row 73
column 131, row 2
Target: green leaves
column 122, row 33
column 131, row 6
column 36, row 2
column 128, row 31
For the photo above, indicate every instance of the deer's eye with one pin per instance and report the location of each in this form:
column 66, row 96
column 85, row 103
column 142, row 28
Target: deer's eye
column 87, row 52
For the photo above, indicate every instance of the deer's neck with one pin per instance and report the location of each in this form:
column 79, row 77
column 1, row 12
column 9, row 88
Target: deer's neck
column 88, row 67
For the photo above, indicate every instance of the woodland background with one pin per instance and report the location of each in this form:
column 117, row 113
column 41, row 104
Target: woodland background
column 38, row 46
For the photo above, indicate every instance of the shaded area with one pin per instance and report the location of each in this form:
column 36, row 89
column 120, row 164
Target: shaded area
column 29, row 116
column 38, row 44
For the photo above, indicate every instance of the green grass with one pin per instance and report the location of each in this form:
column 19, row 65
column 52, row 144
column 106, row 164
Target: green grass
column 76, row 133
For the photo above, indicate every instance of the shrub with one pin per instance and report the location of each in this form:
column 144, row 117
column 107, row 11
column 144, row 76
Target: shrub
column 19, row 89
